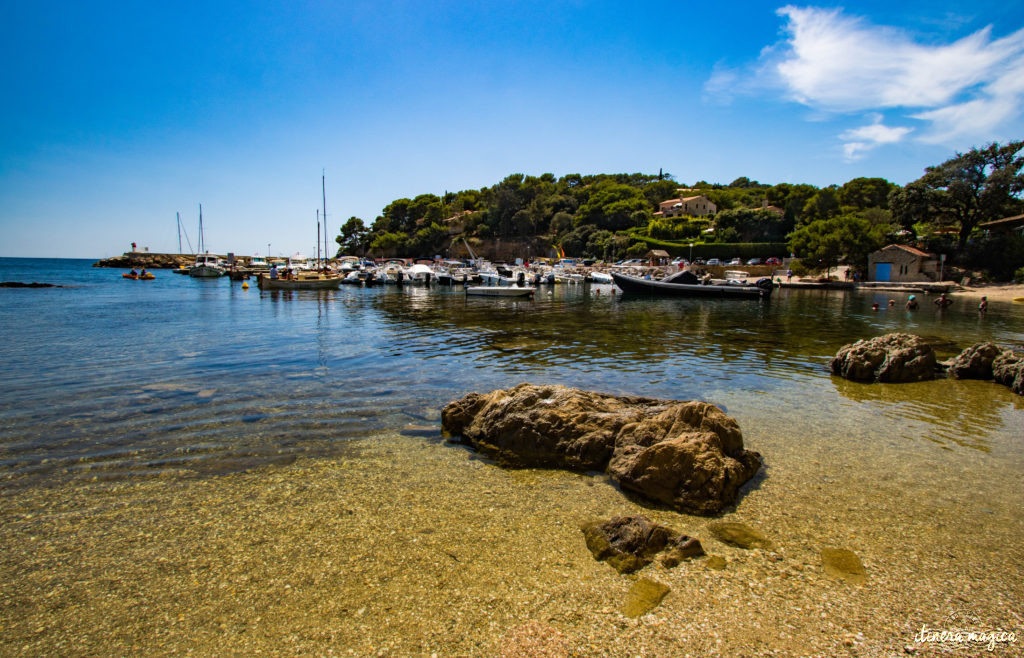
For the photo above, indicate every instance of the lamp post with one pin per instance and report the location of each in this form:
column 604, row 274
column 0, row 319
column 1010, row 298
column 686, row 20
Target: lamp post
column 268, row 252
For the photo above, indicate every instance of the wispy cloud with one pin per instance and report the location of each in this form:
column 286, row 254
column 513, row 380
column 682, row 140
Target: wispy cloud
column 858, row 141
column 843, row 64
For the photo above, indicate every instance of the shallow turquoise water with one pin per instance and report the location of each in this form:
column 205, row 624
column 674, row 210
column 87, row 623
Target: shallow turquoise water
column 109, row 377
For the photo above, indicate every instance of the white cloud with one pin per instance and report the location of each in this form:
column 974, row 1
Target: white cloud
column 859, row 141
column 837, row 63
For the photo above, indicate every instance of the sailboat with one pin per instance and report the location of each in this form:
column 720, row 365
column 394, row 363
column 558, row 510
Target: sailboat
column 207, row 265
column 305, row 279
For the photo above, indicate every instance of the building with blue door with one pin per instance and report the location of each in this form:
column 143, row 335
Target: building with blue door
column 899, row 263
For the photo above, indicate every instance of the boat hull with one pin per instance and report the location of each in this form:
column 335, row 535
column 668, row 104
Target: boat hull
column 205, row 272
column 638, row 286
column 499, row 291
column 303, row 282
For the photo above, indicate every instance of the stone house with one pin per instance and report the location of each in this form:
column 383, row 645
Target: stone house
column 691, row 206
column 898, row 263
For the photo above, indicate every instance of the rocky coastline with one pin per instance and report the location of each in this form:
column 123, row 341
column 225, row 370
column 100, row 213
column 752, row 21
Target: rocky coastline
column 898, row 357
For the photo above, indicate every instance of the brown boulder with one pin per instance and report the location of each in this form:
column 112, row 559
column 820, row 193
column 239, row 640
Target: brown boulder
column 688, row 455
column 1008, row 369
column 975, row 362
column 888, row 358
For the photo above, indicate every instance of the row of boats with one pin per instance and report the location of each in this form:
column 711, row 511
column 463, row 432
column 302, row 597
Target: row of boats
column 479, row 277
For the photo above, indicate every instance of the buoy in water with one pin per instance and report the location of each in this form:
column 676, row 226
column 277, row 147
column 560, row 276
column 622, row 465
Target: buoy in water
column 245, row 285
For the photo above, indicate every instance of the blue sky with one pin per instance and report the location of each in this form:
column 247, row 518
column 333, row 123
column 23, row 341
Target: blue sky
column 117, row 115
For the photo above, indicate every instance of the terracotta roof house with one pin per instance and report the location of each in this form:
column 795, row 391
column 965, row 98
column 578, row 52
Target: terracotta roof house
column 898, row 263
column 691, row 206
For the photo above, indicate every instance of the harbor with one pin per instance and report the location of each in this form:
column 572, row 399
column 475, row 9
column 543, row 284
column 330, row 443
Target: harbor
column 271, row 472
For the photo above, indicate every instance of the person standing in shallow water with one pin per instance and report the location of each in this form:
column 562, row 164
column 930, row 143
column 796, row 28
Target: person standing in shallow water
column 983, row 306
column 912, row 303
column 943, row 301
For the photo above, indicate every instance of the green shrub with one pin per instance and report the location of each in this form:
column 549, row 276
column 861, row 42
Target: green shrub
column 1018, row 276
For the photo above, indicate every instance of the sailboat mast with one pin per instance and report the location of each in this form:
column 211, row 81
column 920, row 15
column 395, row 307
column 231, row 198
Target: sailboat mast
column 178, row 215
column 317, row 235
column 202, row 242
column 323, row 187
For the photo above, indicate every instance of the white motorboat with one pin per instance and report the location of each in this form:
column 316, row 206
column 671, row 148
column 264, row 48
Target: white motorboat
column 207, row 266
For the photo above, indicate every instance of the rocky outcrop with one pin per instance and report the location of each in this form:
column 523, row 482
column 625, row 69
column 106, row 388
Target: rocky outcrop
column 629, row 543
column 150, row 261
column 975, row 362
column 888, row 358
column 1008, row 369
column 688, row 455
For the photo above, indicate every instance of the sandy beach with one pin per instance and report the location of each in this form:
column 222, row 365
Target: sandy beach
column 996, row 292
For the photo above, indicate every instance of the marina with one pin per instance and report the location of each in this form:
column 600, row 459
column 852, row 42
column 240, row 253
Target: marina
column 286, row 424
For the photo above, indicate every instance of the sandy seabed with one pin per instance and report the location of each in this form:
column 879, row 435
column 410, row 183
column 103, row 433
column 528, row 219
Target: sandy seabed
column 411, row 546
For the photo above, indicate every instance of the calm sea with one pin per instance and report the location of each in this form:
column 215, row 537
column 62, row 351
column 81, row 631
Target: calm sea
column 113, row 378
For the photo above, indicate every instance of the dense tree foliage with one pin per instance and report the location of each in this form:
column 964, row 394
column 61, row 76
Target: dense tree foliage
column 614, row 215
column 970, row 188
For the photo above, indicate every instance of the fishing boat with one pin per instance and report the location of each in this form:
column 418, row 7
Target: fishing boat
column 686, row 284
column 206, row 265
column 300, row 281
column 499, row 291
column 304, row 279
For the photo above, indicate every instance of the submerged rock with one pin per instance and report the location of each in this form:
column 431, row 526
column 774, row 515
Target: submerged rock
column 739, row 534
column 715, row 562
column 1008, row 369
column 630, row 543
column 688, row 455
column 844, row 564
column 888, row 358
column 975, row 362
column 21, row 284
column 645, row 595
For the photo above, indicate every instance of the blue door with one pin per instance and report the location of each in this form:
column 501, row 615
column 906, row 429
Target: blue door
column 883, row 271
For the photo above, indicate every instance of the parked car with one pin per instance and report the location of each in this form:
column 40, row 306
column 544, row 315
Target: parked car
column 754, row 261
column 714, row 261
column 773, row 261
column 735, row 261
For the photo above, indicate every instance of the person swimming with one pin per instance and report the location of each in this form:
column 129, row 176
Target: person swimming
column 912, row 303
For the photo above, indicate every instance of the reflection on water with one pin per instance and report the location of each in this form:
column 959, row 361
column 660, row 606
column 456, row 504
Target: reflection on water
column 188, row 375
column 949, row 412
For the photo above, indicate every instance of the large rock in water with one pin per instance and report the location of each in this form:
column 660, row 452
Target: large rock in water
column 975, row 362
column 1008, row 369
column 688, row 455
column 888, row 358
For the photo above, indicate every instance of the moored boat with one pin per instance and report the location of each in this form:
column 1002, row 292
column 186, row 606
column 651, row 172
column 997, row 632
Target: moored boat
column 300, row 281
column 685, row 284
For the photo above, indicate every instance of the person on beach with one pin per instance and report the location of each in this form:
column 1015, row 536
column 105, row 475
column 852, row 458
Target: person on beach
column 912, row 303
column 983, row 306
column 943, row 301
column 789, row 276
